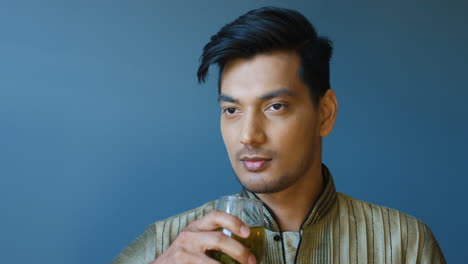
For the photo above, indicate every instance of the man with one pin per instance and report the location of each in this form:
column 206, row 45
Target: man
column 276, row 102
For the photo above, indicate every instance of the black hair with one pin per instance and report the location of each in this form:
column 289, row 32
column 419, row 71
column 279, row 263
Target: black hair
column 268, row 29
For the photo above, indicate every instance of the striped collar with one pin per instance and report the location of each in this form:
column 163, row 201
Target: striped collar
column 322, row 206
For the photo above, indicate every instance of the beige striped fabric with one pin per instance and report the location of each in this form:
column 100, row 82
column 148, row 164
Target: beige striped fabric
column 339, row 229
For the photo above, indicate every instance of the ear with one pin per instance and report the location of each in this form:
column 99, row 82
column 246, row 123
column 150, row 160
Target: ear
column 328, row 112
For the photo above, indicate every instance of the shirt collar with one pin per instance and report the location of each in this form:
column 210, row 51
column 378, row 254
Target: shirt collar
column 322, row 206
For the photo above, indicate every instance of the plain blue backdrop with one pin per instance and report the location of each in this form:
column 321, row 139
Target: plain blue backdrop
column 104, row 129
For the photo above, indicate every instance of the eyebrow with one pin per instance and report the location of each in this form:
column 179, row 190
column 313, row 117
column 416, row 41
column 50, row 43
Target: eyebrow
column 278, row 93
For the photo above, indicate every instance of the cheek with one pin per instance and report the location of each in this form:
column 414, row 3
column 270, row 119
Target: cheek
column 286, row 133
column 292, row 137
column 228, row 138
column 224, row 132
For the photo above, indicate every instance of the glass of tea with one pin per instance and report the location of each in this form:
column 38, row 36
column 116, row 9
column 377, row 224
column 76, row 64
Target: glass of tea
column 250, row 211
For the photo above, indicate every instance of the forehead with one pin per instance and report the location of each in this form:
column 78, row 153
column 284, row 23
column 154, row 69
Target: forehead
column 253, row 77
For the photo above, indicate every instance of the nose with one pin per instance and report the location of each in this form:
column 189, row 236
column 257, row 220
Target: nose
column 253, row 133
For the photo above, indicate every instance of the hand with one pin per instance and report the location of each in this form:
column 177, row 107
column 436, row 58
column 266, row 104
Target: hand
column 191, row 244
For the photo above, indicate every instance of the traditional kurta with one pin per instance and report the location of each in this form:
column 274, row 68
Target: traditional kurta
column 339, row 229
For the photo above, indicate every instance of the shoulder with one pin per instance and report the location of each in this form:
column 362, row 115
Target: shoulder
column 360, row 208
column 159, row 235
column 393, row 227
column 181, row 220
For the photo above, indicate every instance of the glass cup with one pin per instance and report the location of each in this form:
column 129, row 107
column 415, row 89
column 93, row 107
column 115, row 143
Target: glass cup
column 250, row 211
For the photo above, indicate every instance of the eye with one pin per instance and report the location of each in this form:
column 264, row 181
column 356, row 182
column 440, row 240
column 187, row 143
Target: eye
column 277, row 106
column 229, row 110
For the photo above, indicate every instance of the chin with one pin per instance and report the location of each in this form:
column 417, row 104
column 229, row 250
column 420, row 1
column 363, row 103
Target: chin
column 262, row 185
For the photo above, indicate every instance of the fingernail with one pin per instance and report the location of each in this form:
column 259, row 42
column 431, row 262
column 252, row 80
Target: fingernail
column 252, row 259
column 245, row 231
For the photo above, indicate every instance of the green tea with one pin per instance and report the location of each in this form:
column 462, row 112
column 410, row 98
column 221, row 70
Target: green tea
column 255, row 243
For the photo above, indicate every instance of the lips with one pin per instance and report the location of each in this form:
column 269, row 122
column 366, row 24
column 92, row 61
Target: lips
column 255, row 165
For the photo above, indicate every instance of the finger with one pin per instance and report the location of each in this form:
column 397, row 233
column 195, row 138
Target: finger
column 214, row 240
column 194, row 258
column 183, row 256
column 204, row 259
column 218, row 219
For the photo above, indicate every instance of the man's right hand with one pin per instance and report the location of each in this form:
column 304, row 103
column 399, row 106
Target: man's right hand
column 200, row 236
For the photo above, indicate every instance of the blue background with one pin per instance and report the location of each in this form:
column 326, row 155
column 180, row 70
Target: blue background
column 104, row 129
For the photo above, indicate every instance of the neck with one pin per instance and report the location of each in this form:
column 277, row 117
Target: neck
column 291, row 206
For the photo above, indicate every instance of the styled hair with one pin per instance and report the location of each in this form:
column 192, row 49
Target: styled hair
column 268, row 29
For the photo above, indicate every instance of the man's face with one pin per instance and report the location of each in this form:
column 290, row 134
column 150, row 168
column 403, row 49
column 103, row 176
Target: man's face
column 269, row 126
